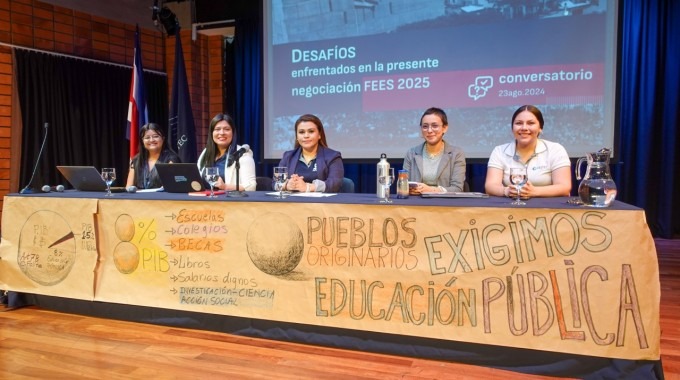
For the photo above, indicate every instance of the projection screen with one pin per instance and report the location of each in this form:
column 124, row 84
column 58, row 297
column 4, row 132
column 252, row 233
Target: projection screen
column 369, row 68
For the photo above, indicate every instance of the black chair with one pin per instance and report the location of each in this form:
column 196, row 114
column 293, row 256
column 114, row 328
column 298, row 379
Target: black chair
column 347, row 186
column 263, row 184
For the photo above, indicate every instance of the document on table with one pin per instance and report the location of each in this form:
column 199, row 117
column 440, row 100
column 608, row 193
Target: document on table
column 455, row 194
column 154, row 190
column 309, row 195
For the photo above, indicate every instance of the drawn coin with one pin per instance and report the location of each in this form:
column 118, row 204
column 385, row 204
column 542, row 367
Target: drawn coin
column 125, row 227
column 275, row 253
column 126, row 257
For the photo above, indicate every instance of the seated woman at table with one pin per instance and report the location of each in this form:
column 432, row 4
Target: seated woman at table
column 220, row 150
column 152, row 149
column 547, row 163
column 435, row 165
column 312, row 165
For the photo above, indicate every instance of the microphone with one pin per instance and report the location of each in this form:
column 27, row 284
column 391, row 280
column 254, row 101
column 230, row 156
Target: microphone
column 237, row 165
column 48, row 188
column 131, row 189
column 27, row 189
column 233, row 157
column 244, row 148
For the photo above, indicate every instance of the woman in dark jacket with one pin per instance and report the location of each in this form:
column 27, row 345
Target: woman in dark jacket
column 312, row 165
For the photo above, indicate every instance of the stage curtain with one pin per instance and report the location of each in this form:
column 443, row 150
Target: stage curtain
column 650, row 112
column 229, row 84
column 85, row 103
column 248, row 80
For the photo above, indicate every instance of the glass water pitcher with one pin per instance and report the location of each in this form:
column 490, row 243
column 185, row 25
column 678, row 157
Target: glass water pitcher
column 597, row 189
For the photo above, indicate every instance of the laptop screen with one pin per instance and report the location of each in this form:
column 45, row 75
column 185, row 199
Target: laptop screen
column 180, row 177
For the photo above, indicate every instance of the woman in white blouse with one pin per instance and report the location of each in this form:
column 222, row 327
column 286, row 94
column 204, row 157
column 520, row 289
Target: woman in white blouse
column 547, row 163
column 220, row 150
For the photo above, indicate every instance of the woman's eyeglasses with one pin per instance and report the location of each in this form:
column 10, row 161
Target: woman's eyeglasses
column 433, row 127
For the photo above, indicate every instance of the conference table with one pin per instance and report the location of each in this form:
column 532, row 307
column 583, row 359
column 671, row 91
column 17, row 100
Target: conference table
column 549, row 287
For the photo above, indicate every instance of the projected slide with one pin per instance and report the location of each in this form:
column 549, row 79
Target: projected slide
column 369, row 68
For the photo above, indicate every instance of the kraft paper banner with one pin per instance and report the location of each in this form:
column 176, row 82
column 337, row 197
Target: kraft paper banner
column 576, row 280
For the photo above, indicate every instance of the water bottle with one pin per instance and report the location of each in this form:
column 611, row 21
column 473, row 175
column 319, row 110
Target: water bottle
column 402, row 184
column 383, row 167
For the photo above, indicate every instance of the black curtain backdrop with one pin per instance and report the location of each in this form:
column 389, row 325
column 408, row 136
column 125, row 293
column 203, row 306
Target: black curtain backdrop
column 229, row 82
column 248, row 80
column 85, row 103
column 649, row 115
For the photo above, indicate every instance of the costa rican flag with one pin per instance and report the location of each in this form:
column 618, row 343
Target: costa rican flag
column 138, row 114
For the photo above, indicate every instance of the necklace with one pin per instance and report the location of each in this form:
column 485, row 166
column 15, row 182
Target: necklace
column 433, row 155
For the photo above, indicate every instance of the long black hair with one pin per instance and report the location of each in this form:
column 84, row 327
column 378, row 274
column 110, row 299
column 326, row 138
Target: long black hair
column 140, row 160
column 210, row 146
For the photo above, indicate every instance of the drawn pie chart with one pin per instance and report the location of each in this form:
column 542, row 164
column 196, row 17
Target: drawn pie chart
column 47, row 248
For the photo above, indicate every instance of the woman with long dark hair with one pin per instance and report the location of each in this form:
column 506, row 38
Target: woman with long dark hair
column 152, row 150
column 219, row 151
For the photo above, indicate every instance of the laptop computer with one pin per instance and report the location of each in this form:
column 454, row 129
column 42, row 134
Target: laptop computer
column 180, row 177
column 83, row 178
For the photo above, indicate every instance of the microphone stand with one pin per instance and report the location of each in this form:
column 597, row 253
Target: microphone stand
column 237, row 193
column 27, row 189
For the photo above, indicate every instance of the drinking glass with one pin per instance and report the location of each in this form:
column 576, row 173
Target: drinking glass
column 280, row 176
column 108, row 175
column 211, row 175
column 518, row 177
column 386, row 178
